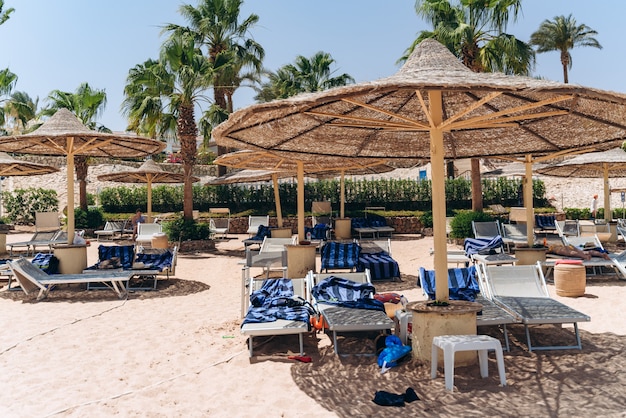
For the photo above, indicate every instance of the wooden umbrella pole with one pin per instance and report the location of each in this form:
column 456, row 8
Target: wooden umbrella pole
column 342, row 195
column 70, row 193
column 149, row 191
column 279, row 211
column 528, row 199
column 438, row 196
column 300, row 201
column 607, row 193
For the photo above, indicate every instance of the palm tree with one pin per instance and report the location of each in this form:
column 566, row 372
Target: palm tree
column 563, row 34
column 87, row 104
column 305, row 76
column 161, row 92
column 215, row 26
column 474, row 32
column 4, row 16
column 20, row 110
column 7, row 83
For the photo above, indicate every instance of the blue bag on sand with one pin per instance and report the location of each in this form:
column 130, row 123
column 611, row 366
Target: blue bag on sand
column 393, row 352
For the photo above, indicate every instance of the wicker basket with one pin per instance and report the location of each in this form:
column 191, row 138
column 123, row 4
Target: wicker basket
column 570, row 279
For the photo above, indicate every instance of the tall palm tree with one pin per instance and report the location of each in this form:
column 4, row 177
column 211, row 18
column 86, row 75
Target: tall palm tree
column 87, row 104
column 216, row 27
column 563, row 34
column 7, row 83
column 20, row 110
column 474, row 32
column 165, row 91
column 305, row 76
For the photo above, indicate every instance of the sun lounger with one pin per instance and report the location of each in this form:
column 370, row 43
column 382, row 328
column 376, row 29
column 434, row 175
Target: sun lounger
column 376, row 257
column 336, row 255
column 358, row 312
column 32, row 279
column 275, row 311
column 111, row 228
column 141, row 266
column 522, row 291
column 42, row 238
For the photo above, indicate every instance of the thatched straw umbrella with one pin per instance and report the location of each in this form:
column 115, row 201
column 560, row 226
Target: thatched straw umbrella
column 148, row 173
column 434, row 107
column 64, row 134
column 611, row 163
column 302, row 164
column 10, row 166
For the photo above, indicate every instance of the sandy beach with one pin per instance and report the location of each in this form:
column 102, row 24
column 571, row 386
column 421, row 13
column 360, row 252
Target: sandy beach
column 178, row 352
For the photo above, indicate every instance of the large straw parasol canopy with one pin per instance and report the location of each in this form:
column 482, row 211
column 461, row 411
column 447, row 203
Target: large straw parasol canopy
column 148, row 173
column 64, row 134
column 10, row 166
column 434, row 107
column 605, row 164
column 301, row 164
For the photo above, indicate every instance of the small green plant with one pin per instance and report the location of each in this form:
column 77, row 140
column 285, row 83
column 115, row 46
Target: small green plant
column 461, row 224
column 186, row 229
column 91, row 219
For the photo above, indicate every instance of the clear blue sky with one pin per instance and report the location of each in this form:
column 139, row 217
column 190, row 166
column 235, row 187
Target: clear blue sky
column 63, row 43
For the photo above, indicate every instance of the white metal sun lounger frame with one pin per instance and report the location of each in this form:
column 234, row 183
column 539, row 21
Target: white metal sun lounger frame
column 522, row 290
column 31, row 279
column 339, row 319
column 280, row 326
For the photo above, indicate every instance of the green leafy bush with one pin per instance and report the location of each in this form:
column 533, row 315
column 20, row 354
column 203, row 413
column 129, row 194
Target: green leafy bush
column 461, row 224
column 186, row 229
column 22, row 204
column 91, row 219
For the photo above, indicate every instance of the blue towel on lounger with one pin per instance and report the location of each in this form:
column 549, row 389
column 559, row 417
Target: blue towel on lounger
column 347, row 293
column 275, row 300
column 462, row 283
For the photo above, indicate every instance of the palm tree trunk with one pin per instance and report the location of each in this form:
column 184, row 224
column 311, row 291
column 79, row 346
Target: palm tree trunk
column 477, row 187
column 219, row 96
column 565, row 63
column 82, row 167
column 187, row 133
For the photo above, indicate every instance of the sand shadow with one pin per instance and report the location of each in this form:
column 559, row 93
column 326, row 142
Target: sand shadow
column 166, row 287
column 546, row 383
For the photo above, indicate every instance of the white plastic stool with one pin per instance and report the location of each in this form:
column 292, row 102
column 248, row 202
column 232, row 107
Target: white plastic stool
column 450, row 344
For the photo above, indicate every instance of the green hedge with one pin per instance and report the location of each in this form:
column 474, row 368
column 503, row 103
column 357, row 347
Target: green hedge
column 392, row 194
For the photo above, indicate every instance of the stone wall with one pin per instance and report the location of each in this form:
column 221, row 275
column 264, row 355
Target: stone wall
column 402, row 224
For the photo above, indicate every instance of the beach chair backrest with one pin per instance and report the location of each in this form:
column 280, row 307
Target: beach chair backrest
column 462, row 283
column 255, row 221
column 518, row 280
column 321, row 208
column 487, row 229
column 359, row 277
column 148, row 228
column 277, row 244
column 514, row 230
column 47, row 221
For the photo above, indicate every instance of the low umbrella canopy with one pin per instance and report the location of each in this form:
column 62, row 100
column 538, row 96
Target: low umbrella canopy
column 302, row 164
column 434, row 107
column 149, row 173
column 611, row 163
column 9, row 166
column 63, row 134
